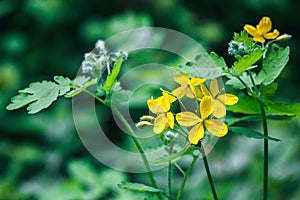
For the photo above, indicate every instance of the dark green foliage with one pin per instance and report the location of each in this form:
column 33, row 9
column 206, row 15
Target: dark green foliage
column 42, row 156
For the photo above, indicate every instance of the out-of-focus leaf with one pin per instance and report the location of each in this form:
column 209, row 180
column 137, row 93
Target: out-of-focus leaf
column 83, row 172
column 139, row 187
column 257, row 117
column 185, row 151
column 250, row 133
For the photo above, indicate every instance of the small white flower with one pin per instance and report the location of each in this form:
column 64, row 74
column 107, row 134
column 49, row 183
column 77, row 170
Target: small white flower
column 100, row 44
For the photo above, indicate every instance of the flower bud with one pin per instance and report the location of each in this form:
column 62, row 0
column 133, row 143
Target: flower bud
column 142, row 124
column 284, row 37
column 168, row 137
column 147, row 118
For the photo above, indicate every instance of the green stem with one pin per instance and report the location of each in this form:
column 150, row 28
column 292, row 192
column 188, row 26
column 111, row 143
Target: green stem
column 244, row 84
column 138, row 145
column 210, row 179
column 186, row 174
column 134, row 138
column 253, row 82
column 179, row 168
column 241, row 80
column 266, row 149
column 170, row 175
column 170, row 180
column 96, row 97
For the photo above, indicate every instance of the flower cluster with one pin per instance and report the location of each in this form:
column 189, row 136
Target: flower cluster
column 100, row 58
column 237, row 48
column 211, row 102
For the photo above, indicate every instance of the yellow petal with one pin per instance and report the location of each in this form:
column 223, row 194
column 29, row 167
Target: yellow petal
column 205, row 107
column 180, row 92
column 154, row 106
column 169, row 97
column 259, row 39
column 272, row 35
column 190, row 92
column 216, row 127
column 160, row 123
column 204, row 90
column 196, row 81
column 182, row 79
column 164, row 102
column 170, row 117
column 214, row 88
column 251, row 30
column 196, row 133
column 264, row 26
column 228, row 99
column 198, row 93
column 219, row 109
column 187, row 118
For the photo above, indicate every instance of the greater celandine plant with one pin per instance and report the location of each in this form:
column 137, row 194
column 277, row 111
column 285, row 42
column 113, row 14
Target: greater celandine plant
column 260, row 58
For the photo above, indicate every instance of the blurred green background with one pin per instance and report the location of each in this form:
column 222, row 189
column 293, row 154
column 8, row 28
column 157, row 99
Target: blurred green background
column 42, row 156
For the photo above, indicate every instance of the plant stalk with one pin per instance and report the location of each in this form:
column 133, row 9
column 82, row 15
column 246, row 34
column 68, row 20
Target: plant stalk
column 186, row 174
column 135, row 140
column 266, row 149
column 210, row 179
column 170, row 180
column 138, row 145
column 170, row 175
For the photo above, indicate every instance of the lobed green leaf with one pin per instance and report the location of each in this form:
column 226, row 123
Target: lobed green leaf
column 248, row 60
column 245, row 105
column 244, row 37
column 40, row 95
column 119, row 94
column 273, row 64
column 220, row 62
column 249, row 105
column 268, row 91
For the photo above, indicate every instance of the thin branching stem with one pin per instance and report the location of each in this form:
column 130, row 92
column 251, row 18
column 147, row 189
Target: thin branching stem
column 170, row 174
column 186, row 174
column 134, row 138
column 137, row 143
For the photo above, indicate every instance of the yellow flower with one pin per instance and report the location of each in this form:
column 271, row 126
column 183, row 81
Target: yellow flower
column 218, row 100
column 187, row 86
column 214, row 126
column 161, row 106
column 261, row 32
